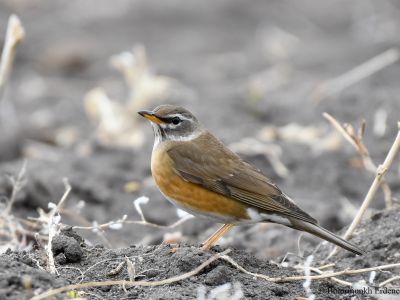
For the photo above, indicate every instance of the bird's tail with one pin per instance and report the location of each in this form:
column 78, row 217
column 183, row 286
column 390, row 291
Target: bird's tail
column 325, row 234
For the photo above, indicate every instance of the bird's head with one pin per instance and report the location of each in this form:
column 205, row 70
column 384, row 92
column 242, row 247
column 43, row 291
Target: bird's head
column 173, row 123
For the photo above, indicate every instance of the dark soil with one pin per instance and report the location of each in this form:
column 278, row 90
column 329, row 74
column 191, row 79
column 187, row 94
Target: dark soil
column 212, row 49
column 78, row 262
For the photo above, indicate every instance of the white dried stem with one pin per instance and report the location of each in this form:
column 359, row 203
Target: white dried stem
column 307, row 281
column 14, row 35
column 17, row 185
column 144, row 223
column 380, row 119
column 357, row 142
column 323, row 275
column 53, row 227
column 327, row 266
column 144, row 86
column 343, row 282
column 10, row 226
column 383, row 283
column 131, row 269
column 387, row 192
column 338, row 273
column 345, row 131
column 137, row 203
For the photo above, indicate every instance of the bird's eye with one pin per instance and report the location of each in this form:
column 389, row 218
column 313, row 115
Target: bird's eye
column 176, row 120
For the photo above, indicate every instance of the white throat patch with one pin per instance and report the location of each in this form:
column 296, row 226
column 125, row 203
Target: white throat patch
column 189, row 137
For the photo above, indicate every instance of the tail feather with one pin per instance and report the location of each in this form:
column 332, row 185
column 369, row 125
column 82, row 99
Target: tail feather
column 325, row 234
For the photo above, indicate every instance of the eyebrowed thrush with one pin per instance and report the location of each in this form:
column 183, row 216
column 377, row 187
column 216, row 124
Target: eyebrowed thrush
column 200, row 175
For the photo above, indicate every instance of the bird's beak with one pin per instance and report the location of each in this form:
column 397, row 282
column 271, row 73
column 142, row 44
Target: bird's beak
column 149, row 115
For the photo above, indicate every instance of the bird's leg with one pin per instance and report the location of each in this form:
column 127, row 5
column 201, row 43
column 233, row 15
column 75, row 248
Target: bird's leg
column 216, row 236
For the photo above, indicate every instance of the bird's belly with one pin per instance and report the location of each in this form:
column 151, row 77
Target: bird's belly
column 192, row 197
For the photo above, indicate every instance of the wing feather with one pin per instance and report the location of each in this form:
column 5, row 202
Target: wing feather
column 222, row 171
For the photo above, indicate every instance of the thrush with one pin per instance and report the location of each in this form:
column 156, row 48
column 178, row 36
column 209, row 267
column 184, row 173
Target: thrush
column 200, row 175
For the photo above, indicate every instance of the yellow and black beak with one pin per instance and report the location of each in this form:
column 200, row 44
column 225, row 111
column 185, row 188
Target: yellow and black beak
column 149, row 115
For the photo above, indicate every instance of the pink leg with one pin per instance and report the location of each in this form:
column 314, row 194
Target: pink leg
column 216, row 236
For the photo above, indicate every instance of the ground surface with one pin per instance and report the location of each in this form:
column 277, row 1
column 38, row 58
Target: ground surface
column 155, row 263
column 216, row 52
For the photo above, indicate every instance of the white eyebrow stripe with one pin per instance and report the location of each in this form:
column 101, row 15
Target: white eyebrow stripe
column 178, row 115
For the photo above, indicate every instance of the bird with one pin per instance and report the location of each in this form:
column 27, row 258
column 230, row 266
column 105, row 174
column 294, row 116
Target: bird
column 197, row 173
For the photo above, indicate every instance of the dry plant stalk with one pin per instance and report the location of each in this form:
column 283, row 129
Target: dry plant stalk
column 10, row 227
column 313, row 136
column 366, row 69
column 115, row 125
column 357, row 142
column 14, row 35
column 340, row 281
column 137, row 204
column 144, row 86
column 383, row 283
column 131, row 269
column 117, row 122
column 18, row 183
column 322, row 275
column 379, row 177
column 308, row 280
column 53, row 226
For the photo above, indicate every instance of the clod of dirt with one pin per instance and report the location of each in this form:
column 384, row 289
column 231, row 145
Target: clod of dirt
column 66, row 247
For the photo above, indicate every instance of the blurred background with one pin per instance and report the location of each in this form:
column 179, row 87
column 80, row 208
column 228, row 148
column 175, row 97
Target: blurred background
column 257, row 74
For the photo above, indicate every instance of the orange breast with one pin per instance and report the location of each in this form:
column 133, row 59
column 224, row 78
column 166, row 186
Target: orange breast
column 191, row 196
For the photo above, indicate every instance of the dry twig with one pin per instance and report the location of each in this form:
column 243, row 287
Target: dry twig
column 144, row 86
column 323, row 275
column 356, row 140
column 10, row 227
column 380, row 174
column 307, row 281
column 343, row 282
column 144, row 223
column 14, row 35
column 17, row 183
column 131, row 269
column 117, row 122
column 137, row 203
column 383, row 283
column 52, row 223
